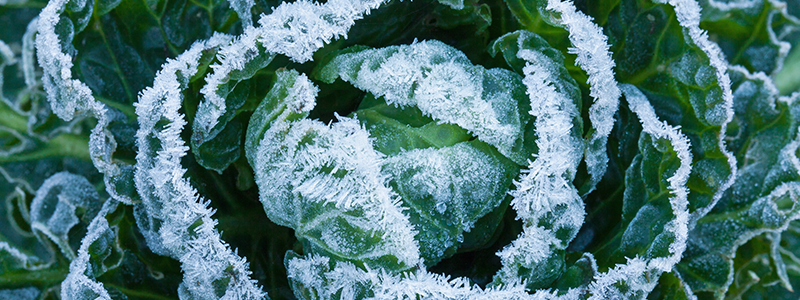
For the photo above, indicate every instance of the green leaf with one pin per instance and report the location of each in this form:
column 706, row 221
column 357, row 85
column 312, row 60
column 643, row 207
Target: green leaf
column 63, row 201
column 761, row 269
column 765, row 139
column 653, row 53
column 751, row 35
column 222, row 146
column 274, row 105
column 294, row 159
column 124, row 44
column 788, row 79
column 447, row 190
column 669, row 287
column 445, row 86
column 216, row 148
column 645, row 208
column 398, row 129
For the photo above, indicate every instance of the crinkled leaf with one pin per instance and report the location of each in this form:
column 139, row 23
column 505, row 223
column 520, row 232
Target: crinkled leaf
column 63, row 201
column 114, row 253
column 669, row 287
column 39, row 233
column 751, row 34
column 127, row 41
column 447, row 190
column 762, row 267
column 547, row 205
column 764, row 137
column 222, row 146
column 324, row 181
column 653, row 53
column 445, row 86
column 445, row 194
column 216, row 148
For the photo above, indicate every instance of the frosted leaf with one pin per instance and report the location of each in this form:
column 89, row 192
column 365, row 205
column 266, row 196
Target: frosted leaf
column 532, row 257
column 677, row 182
column 326, row 183
column 26, row 99
column 13, row 259
column 640, row 274
column 547, row 184
column 243, row 8
column 769, row 25
column 688, row 15
column 454, row 4
column 447, row 190
column 764, row 195
column 292, row 96
column 67, row 96
column 777, row 257
column 70, row 98
column 320, row 277
column 96, row 247
column 446, row 178
column 591, row 46
column 55, row 209
column 28, row 293
column 296, row 30
column 28, row 51
column 173, row 218
column 443, row 84
column 6, row 58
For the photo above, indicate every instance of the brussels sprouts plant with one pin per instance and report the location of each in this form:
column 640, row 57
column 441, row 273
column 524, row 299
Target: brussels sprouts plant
column 386, row 149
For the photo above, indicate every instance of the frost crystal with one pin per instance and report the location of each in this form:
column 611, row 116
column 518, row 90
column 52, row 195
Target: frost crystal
column 688, row 14
column 306, row 166
column 548, row 182
column 294, row 29
column 54, row 209
column 443, row 84
column 70, row 98
column 80, row 283
column 592, row 49
column 177, row 222
column 639, row 275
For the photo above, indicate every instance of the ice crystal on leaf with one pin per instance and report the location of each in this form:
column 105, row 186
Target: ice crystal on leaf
column 444, row 85
column 295, row 29
column 56, row 205
column 592, row 50
column 89, row 264
column 372, row 149
column 325, row 182
column 177, row 222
